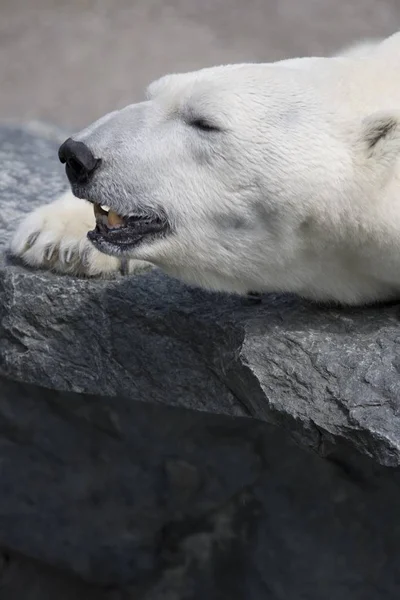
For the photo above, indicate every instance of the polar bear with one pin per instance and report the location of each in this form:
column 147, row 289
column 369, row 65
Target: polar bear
column 279, row 177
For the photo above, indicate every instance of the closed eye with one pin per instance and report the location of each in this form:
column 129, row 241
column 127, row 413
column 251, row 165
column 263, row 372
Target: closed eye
column 203, row 125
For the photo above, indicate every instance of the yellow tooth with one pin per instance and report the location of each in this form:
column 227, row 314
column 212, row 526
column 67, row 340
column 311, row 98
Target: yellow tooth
column 114, row 219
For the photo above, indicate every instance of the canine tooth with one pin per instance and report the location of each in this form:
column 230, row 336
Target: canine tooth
column 98, row 210
column 114, row 220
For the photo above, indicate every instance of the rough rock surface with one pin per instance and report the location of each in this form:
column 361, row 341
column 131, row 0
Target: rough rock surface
column 158, row 442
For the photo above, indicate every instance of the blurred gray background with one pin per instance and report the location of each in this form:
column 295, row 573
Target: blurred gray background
column 69, row 61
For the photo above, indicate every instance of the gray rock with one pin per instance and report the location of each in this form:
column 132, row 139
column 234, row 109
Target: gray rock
column 160, row 442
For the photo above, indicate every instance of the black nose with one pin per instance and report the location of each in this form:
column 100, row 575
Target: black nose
column 80, row 161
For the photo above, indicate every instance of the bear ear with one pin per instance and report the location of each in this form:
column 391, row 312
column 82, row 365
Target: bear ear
column 381, row 135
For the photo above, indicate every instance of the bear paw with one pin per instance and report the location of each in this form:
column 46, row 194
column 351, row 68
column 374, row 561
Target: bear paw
column 54, row 236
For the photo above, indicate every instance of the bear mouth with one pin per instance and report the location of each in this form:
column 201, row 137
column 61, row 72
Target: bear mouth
column 116, row 234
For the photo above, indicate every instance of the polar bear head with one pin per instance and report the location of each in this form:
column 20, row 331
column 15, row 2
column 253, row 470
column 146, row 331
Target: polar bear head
column 246, row 177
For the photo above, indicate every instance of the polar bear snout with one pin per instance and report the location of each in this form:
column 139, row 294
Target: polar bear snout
column 80, row 162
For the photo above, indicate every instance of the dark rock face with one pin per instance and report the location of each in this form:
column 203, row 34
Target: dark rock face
column 159, row 442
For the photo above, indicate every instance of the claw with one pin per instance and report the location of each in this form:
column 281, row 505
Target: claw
column 31, row 239
column 85, row 257
column 124, row 266
column 68, row 256
column 48, row 253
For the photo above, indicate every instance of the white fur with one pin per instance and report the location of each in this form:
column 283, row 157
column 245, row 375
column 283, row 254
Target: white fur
column 298, row 193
